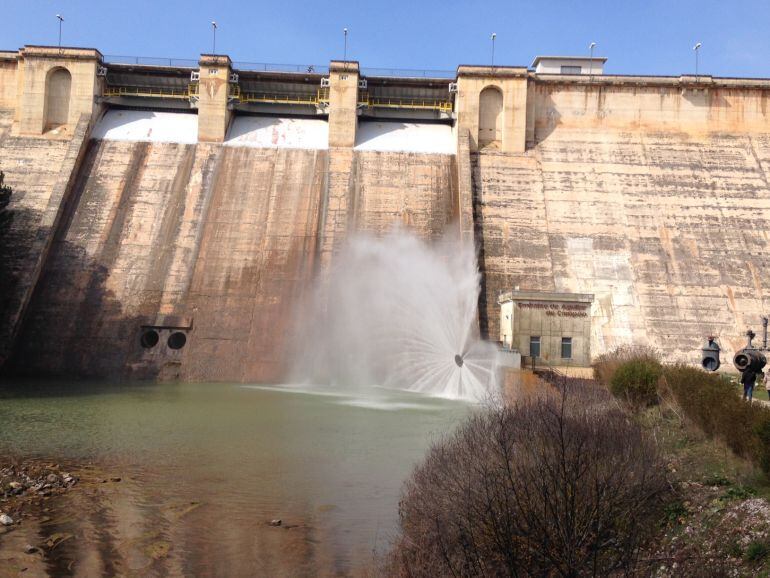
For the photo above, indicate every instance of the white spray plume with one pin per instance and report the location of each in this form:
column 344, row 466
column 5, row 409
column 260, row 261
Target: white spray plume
column 399, row 313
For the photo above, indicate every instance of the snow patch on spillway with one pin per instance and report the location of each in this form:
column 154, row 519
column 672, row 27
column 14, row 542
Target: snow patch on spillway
column 273, row 132
column 147, row 126
column 412, row 137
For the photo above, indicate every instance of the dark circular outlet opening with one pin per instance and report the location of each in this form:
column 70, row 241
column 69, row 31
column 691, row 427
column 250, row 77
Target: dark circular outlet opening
column 177, row 340
column 149, row 338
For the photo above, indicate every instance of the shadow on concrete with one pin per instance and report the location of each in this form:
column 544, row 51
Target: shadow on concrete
column 72, row 328
column 478, row 235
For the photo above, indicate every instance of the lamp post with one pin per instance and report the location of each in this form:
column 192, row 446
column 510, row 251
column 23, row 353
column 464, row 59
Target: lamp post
column 60, row 18
column 591, row 62
column 345, row 50
column 214, row 30
column 493, row 37
column 696, row 48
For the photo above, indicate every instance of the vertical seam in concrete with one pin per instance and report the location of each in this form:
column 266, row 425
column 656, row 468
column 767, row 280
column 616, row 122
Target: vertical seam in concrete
column 171, row 222
column 323, row 208
column 207, row 185
column 353, row 191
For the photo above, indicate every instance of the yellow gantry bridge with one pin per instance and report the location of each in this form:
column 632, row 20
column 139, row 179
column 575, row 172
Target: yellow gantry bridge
column 320, row 97
column 191, row 90
column 397, row 102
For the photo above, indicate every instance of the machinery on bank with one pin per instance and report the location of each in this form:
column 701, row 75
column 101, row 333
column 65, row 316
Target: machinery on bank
column 750, row 358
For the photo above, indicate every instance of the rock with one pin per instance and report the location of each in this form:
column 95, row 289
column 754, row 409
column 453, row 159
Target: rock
column 276, row 522
column 6, row 520
column 114, row 479
column 15, row 485
column 52, row 478
column 29, row 549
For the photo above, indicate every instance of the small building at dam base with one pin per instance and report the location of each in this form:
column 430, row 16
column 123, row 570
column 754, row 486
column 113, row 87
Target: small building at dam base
column 552, row 327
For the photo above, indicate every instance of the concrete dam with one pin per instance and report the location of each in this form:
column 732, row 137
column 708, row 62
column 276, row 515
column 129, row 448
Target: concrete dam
column 168, row 220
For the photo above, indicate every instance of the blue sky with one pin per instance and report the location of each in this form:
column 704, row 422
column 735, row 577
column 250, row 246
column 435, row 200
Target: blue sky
column 638, row 36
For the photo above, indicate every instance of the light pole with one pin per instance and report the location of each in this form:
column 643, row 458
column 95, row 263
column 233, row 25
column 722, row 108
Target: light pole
column 60, row 18
column 214, row 30
column 696, row 48
column 345, row 50
column 591, row 61
column 494, row 35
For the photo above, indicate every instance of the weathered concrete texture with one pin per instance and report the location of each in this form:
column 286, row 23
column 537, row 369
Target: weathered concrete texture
column 668, row 231
column 465, row 187
column 224, row 241
column 110, row 261
column 40, row 173
column 414, row 190
column 511, row 234
column 643, row 104
column 255, row 262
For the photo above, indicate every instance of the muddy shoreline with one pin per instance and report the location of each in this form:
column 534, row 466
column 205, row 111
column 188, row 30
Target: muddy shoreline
column 36, row 494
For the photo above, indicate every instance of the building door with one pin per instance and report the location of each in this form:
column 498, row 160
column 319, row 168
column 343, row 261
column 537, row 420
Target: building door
column 490, row 117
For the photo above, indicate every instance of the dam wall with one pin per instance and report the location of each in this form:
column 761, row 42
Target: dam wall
column 209, row 201
column 219, row 242
column 669, row 231
column 683, row 105
column 8, row 87
column 42, row 172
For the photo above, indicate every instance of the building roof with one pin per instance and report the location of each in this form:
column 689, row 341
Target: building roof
column 545, row 296
column 537, row 59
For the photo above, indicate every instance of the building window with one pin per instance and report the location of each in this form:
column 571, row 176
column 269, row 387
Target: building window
column 566, row 348
column 534, row 346
column 571, row 70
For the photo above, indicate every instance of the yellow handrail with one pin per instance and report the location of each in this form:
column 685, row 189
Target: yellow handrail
column 272, row 98
column 151, row 92
column 398, row 102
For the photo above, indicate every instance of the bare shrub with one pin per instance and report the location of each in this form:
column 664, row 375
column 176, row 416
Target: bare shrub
column 608, row 363
column 548, row 487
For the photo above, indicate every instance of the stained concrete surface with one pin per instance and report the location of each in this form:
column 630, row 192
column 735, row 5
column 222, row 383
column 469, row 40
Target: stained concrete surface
column 227, row 238
column 668, row 231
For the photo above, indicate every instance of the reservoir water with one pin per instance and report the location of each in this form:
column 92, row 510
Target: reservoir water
column 205, row 467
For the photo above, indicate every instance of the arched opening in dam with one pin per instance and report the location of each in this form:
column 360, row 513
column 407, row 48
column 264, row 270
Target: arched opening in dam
column 490, row 116
column 58, row 87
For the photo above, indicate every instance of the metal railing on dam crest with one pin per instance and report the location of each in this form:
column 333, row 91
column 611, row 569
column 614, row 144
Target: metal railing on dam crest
column 279, row 67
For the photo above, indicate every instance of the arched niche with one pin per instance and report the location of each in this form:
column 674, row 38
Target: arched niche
column 490, row 116
column 58, row 86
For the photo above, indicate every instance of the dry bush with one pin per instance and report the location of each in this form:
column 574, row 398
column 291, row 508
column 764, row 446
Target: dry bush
column 551, row 487
column 608, row 363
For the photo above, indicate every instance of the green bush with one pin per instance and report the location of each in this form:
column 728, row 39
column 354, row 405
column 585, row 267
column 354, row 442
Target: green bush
column 608, row 363
column 637, row 381
column 757, row 551
column 713, row 402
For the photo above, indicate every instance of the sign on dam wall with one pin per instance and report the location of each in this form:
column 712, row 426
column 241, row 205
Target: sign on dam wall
column 194, row 199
